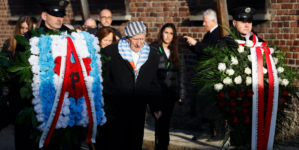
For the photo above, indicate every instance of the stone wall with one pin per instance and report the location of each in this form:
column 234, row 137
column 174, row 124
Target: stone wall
column 155, row 13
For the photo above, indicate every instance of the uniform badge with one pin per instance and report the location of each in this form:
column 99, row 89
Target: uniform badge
column 61, row 3
column 247, row 10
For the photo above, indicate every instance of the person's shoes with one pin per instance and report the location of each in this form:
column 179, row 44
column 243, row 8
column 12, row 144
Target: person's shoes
column 215, row 138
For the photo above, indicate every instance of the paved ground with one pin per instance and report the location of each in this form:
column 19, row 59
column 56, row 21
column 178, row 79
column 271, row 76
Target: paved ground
column 179, row 140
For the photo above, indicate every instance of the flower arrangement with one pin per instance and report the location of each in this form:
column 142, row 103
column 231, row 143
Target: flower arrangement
column 231, row 70
column 61, row 73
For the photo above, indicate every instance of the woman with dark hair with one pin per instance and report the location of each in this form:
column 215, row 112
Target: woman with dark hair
column 106, row 36
column 171, row 77
column 22, row 26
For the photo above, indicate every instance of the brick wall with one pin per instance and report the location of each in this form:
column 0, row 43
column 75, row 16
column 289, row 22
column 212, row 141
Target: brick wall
column 155, row 13
column 283, row 27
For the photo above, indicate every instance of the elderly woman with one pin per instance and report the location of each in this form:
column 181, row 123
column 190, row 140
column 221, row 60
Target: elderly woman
column 131, row 79
column 106, row 36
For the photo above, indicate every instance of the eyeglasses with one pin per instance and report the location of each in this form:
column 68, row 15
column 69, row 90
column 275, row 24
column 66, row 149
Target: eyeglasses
column 105, row 17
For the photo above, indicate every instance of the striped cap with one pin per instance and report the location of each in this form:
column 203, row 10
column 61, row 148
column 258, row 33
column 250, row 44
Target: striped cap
column 134, row 28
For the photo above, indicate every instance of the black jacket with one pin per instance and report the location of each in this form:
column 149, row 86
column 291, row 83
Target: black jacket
column 132, row 98
column 172, row 78
column 210, row 39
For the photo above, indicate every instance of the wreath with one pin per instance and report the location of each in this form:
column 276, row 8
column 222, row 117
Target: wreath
column 251, row 88
column 60, row 73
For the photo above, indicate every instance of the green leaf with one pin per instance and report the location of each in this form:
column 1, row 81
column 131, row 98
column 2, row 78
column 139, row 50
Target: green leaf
column 23, row 76
column 34, row 120
column 15, row 68
column 23, row 92
column 27, row 48
column 21, row 40
column 40, row 30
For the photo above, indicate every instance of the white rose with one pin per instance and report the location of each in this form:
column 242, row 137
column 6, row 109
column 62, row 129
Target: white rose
column 279, row 80
column 249, row 43
column 249, row 57
column 218, row 86
column 247, row 70
column 35, row 69
column 265, row 70
column 234, row 60
column 275, row 60
column 267, row 80
column 238, row 80
column 221, row 66
column 230, row 72
column 241, row 49
column 248, row 80
column 33, row 60
column 227, row 81
column 34, row 41
column 34, row 50
column 285, row 82
column 280, row 70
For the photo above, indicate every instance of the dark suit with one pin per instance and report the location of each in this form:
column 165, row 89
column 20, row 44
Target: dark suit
column 209, row 39
column 126, row 131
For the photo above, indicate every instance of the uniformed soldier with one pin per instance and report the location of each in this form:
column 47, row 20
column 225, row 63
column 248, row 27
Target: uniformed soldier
column 52, row 19
column 242, row 22
column 52, row 16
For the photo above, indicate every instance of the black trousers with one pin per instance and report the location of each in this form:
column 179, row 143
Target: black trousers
column 164, row 123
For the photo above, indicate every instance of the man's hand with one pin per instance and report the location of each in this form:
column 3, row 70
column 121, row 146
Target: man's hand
column 158, row 115
column 190, row 40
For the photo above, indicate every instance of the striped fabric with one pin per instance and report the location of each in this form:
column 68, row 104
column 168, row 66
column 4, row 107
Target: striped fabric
column 125, row 52
column 134, row 28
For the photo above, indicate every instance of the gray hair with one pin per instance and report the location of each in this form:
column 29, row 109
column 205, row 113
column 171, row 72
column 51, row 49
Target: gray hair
column 211, row 14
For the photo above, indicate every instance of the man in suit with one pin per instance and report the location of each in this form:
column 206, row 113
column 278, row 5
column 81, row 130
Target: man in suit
column 131, row 79
column 210, row 39
column 105, row 19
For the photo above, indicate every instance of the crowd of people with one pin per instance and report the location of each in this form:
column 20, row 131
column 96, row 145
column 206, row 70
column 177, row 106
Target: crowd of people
column 137, row 74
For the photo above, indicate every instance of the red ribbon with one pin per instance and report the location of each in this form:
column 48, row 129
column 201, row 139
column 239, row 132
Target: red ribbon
column 71, row 48
column 260, row 98
column 270, row 97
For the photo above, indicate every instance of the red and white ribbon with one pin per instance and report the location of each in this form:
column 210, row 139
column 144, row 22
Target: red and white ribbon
column 263, row 130
column 68, row 48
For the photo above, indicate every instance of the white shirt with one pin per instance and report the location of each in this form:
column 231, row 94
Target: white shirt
column 167, row 52
column 213, row 29
column 135, row 57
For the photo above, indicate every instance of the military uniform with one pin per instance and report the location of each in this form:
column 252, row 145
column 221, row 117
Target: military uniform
column 239, row 14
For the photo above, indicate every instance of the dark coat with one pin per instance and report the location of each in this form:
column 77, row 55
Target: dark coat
column 126, row 132
column 210, row 39
column 171, row 79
